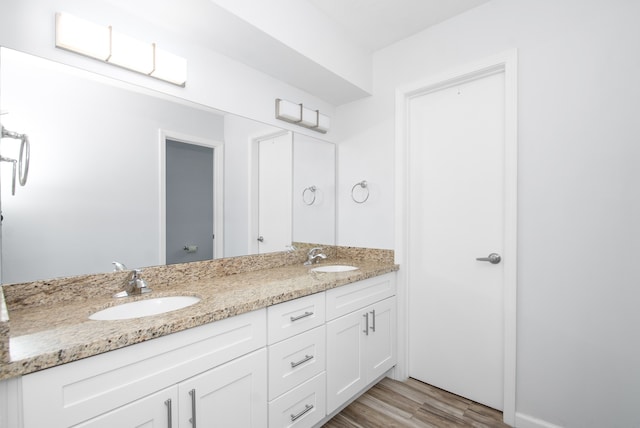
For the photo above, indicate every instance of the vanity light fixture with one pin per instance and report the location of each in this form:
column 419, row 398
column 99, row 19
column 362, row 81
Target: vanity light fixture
column 103, row 43
column 301, row 115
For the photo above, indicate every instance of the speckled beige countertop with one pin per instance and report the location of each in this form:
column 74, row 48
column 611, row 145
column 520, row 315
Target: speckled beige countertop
column 48, row 320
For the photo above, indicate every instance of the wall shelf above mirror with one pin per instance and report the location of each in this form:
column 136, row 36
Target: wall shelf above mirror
column 97, row 182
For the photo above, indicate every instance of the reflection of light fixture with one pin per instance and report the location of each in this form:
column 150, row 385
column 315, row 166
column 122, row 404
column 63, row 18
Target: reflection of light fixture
column 303, row 116
column 131, row 53
column 103, row 43
column 82, row 36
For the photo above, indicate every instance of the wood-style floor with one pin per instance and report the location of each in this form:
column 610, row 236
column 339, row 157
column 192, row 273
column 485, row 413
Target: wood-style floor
column 414, row 404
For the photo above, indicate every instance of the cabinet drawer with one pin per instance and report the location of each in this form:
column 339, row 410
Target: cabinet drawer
column 295, row 316
column 296, row 360
column 301, row 407
column 342, row 300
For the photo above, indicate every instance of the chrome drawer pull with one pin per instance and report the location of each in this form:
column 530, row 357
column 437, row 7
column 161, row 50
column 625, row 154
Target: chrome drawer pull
column 307, row 408
column 168, row 403
column 302, row 361
column 373, row 326
column 192, row 393
column 299, row 317
column 366, row 326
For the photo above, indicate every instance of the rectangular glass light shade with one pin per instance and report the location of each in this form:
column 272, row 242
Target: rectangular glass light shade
column 131, row 53
column 324, row 122
column 309, row 118
column 82, row 36
column 170, row 67
column 286, row 110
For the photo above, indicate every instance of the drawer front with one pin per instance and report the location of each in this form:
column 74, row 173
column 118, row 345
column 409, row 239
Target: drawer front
column 295, row 316
column 71, row 393
column 301, row 407
column 295, row 360
column 349, row 298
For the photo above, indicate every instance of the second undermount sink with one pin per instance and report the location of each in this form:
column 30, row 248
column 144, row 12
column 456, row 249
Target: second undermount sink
column 144, row 308
column 334, row 268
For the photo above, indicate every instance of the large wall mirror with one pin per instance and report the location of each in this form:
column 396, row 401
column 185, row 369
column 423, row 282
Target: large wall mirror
column 111, row 177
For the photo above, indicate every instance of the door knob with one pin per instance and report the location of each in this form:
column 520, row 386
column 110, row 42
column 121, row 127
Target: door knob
column 492, row 258
column 260, row 239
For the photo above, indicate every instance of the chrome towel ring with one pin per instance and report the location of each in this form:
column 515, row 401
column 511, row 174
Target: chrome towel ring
column 311, row 189
column 365, row 186
column 22, row 162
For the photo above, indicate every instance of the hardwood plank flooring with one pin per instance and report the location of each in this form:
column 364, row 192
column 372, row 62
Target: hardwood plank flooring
column 414, row 404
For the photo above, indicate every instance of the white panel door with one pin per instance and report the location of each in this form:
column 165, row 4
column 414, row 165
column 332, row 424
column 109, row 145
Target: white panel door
column 456, row 211
column 275, row 187
column 346, row 373
column 233, row 395
column 381, row 341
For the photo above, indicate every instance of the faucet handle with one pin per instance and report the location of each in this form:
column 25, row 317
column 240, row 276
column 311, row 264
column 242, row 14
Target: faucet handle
column 118, row 267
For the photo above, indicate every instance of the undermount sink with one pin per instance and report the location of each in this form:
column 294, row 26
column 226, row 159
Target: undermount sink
column 144, row 308
column 334, row 268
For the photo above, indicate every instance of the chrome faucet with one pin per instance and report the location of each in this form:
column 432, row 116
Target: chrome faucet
column 314, row 254
column 133, row 285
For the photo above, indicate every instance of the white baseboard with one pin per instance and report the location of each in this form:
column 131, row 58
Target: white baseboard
column 526, row 421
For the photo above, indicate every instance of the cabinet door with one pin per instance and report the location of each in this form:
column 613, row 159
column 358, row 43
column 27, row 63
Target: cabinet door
column 231, row 395
column 345, row 348
column 156, row 410
column 380, row 352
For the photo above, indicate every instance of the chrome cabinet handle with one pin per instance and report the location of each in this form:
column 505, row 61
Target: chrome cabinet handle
column 192, row 393
column 366, row 326
column 373, row 325
column 168, row 403
column 493, row 258
column 302, row 361
column 307, row 408
column 299, row 317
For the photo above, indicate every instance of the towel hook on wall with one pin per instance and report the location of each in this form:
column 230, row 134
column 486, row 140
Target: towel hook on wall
column 365, row 186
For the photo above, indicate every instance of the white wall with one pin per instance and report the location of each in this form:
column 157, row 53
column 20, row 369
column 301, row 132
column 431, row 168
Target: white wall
column 579, row 204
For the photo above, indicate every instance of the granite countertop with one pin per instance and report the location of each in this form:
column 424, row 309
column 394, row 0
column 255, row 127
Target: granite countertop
column 57, row 331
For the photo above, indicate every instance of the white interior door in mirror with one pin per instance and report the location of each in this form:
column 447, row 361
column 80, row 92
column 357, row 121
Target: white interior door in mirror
column 274, row 187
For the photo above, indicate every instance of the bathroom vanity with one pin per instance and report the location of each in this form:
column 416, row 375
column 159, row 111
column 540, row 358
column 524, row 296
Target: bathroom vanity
column 270, row 344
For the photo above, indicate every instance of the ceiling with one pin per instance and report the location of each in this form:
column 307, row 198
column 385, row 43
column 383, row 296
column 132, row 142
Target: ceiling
column 251, row 32
column 376, row 24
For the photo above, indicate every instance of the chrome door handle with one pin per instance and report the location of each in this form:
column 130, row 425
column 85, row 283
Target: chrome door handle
column 169, row 418
column 366, row 326
column 302, row 361
column 192, row 393
column 493, row 258
column 307, row 408
column 260, row 239
column 299, row 317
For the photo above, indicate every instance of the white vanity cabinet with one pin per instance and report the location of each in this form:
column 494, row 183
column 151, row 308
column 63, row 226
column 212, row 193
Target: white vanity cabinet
column 231, row 396
column 361, row 331
column 290, row 365
column 132, row 384
column 297, row 362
